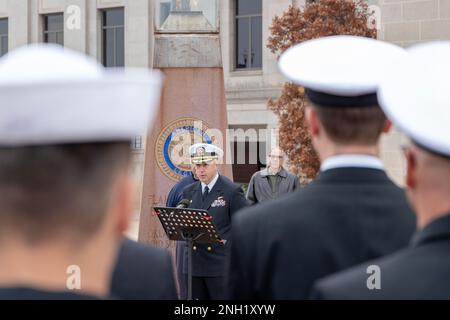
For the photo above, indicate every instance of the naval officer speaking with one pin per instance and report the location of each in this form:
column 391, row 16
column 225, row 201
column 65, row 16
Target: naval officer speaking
column 222, row 199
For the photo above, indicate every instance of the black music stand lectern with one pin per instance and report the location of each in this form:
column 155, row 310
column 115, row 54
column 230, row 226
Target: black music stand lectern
column 190, row 225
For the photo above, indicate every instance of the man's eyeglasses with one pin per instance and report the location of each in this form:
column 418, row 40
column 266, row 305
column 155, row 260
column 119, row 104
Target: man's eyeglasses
column 279, row 157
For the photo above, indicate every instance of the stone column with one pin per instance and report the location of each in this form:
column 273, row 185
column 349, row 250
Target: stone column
column 194, row 90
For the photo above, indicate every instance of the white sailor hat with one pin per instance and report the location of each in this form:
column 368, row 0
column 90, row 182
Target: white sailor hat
column 415, row 95
column 52, row 95
column 204, row 153
column 341, row 71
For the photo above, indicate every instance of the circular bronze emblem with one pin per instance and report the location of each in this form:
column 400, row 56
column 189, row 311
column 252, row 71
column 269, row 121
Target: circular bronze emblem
column 172, row 146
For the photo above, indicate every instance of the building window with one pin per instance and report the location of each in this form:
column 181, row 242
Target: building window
column 248, row 151
column 113, row 38
column 54, row 28
column 248, row 34
column 3, row 36
column 191, row 16
column 137, row 143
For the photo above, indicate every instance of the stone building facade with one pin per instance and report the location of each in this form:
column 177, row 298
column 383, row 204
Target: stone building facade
column 248, row 83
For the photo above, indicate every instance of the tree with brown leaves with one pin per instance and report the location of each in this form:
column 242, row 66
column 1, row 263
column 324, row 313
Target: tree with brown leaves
column 317, row 19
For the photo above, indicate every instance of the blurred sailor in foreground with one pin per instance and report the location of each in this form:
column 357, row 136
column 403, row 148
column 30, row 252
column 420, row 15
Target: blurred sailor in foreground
column 416, row 97
column 143, row 272
column 66, row 193
column 222, row 199
column 352, row 212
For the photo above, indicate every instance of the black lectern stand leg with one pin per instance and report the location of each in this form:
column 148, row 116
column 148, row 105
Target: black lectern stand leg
column 190, row 225
column 190, row 248
column 190, row 238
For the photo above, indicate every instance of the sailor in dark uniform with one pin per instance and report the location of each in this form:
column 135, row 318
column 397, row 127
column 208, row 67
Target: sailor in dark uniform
column 222, row 199
column 352, row 212
column 143, row 272
column 66, row 128
column 415, row 95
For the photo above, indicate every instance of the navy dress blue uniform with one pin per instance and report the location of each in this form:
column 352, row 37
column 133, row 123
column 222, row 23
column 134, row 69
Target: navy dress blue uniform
column 421, row 271
column 173, row 199
column 143, row 272
column 352, row 212
column 209, row 261
column 344, row 217
column 176, row 193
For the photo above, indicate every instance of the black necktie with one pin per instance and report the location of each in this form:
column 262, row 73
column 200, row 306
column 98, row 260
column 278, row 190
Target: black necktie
column 205, row 193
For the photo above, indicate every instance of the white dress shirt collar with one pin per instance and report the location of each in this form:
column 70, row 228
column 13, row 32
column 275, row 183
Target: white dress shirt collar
column 211, row 184
column 352, row 161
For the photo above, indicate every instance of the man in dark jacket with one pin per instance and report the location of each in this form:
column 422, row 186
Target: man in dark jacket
column 352, row 212
column 222, row 199
column 421, row 110
column 272, row 182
